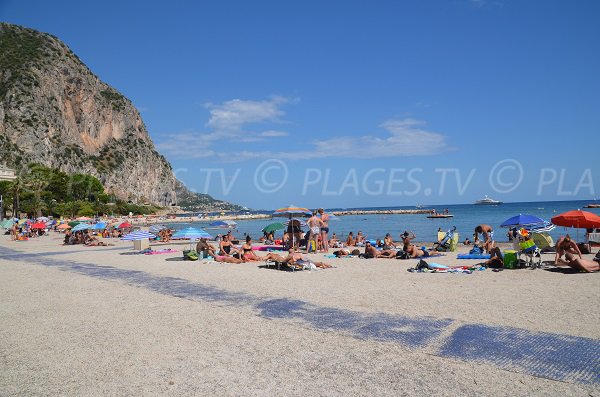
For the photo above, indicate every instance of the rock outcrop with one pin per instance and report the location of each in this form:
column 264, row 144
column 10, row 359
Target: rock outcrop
column 56, row 112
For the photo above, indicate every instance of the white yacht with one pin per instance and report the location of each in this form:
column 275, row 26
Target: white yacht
column 487, row 201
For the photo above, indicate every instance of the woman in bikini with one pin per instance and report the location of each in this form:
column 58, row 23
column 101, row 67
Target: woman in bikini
column 247, row 252
column 314, row 223
column 324, row 230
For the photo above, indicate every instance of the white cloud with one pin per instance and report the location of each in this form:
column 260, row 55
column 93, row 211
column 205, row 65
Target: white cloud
column 234, row 114
column 273, row 134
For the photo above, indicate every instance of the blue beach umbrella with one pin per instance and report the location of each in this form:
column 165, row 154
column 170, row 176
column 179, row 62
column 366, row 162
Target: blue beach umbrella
column 99, row 226
column 522, row 220
column 227, row 224
column 81, row 226
column 191, row 233
column 139, row 235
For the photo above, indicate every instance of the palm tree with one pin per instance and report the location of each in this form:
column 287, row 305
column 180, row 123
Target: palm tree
column 36, row 183
column 16, row 188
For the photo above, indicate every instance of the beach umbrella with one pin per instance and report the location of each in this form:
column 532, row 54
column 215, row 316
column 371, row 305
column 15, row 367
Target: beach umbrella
column 156, row 228
column 296, row 222
column 522, row 220
column 51, row 223
column 138, row 235
column 224, row 224
column 542, row 240
column 81, row 226
column 63, row 226
column 74, row 223
column 99, row 226
column 83, row 218
column 42, row 219
column 273, row 227
column 191, row 233
column 7, row 223
column 542, row 227
column 577, row 219
column 124, row 225
column 290, row 211
column 23, row 221
column 38, row 225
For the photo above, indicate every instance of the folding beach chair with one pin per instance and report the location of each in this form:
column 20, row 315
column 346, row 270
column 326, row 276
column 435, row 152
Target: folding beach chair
column 448, row 241
column 525, row 246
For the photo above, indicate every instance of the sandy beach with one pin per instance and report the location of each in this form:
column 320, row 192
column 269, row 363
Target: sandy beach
column 105, row 321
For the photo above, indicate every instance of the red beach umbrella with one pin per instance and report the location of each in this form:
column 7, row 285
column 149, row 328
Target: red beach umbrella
column 38, row 225
column 577, row 219
column 124, row 225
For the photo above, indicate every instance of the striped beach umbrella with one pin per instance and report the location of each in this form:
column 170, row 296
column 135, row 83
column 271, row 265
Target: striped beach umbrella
column 157, row 228
column 290, row 211
column 138, row 235
column 191, row 233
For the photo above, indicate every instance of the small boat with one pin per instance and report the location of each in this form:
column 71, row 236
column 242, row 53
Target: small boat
column 435, row 216
column 487, row 201
column 592, row 206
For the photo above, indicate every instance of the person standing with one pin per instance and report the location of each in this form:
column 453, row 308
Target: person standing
column 314, row 224
column 324, row 230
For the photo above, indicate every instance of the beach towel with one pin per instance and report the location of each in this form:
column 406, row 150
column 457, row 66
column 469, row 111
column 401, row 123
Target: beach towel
column 158, row 252
column 473, row 256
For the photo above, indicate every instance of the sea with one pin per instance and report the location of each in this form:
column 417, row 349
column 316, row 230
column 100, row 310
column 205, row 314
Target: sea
column 466, row 218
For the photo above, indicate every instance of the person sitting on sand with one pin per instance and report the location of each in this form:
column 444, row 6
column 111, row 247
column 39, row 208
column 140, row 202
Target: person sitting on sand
column 226, row 248
column 350, row 241
column 388, row 243
column 496, row 259
column 360, row 239
column 580, row 264
column 407, row 238
column 372, row 252
column 248, row 253
column 334, row 242
column 206, row 249
column 467, row 241
column 566, row 245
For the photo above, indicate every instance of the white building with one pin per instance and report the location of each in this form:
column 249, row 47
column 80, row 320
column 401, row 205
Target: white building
column 7, row 174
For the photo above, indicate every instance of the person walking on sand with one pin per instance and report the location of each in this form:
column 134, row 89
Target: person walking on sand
column 324, row 230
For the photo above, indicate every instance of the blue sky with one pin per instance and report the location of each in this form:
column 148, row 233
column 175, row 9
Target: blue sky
column 353, row 103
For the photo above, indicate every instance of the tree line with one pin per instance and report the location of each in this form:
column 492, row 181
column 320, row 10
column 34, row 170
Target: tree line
column 42, row 190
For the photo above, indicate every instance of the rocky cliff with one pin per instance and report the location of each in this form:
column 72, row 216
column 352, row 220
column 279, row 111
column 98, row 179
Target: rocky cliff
column 55, row 111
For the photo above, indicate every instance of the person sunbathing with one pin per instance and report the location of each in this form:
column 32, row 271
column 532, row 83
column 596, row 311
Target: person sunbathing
column 388, row 243
column 247, row 252
column 580, row 264
column 372, row 252
column 296, row 259
column 228, row 259
column 416, row 252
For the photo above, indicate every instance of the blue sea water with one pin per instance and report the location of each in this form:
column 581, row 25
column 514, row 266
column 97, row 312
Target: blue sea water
column 466, row 218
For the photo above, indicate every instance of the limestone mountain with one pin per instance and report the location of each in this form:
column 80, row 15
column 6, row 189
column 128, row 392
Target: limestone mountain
column 56, row 112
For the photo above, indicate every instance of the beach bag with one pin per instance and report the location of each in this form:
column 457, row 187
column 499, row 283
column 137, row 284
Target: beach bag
column 585, row 248
column 190, row 255
column 475, row 251
column 401, row 254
